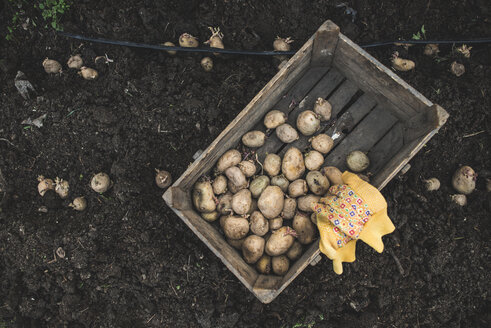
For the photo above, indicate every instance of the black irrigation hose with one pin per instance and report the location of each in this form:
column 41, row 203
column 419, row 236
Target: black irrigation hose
column 253, row 52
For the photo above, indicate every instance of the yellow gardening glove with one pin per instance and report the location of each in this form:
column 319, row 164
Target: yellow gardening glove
column 354, row 210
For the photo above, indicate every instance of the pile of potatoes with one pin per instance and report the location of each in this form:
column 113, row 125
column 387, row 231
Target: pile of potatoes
column 265, row 209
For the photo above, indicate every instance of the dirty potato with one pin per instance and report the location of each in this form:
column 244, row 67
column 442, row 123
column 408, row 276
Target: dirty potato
column 280, row 241
column 281, row 182
column 289, row 208
column 275, row 224
column 241, row 202
column 308, row 123
column 280, row 265
column 313, row 160
column 225, row 203
column 263, row 265
column 317, row 182
column 293, row 165
column 274, row 118
column 219, row 185
column 295, row 251
column 236, row 177
column 304, row 228
column 297, row 188
column 323, row 108
column 259, row 224
column 271, row 201
column 272, row 164
column 231, row 158
column 305, row 203
column 210, row 217
column 322, row 143
column 286, row 133
column 235, row 227
column 203, row 197
column 248, row 168
column 236, row 243
column 253, row 248
column 333, row 174
column 254, row 139
column 258, row 185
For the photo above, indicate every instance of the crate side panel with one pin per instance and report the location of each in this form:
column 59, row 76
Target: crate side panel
column 386, row 148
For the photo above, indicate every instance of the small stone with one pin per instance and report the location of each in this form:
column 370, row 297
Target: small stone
column 60, row 252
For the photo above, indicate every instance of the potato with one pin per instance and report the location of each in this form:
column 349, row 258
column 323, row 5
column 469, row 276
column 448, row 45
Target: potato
column 231, row 157
column 253, row 207
column 259, row 224
column 308, row 123
column 333, row 174
column 235, row 227
column 187, row 40
column 293, row 165
column 357, row 161
column 207, row 64
column 51, row 66
column 297, row 188
column 313, row 160
column 219, row 185
column 286, row 133
column 289, row 208
column 322, row 143
column 304, row 227
column 464, row 180
column 253, row 248
column 402, row 65
column 272, row 164
column 295, row 251
column 203, row 197
column 317, row 183
column 432, row 184
column 225, row 203
column 210, row 217
column 459, row 199
column 274, row 118
column 263, row 265
column 313, row 218
column 280, row 241
column 271, row 201
column 323, row 108
column 232, row 188
column 241, row 202
column 281, row 182
column 280, row 265
column 258, row 185
column 254, row 139
column 222, row 220
column 248, row 168
column 236, row 177
column 276, row 223
column 305, row 203
column 236, row 243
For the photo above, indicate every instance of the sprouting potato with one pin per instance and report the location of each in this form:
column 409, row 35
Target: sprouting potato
column 297, row 188
column 357, row 161
column 203, row 197
column 402, row 65
column 258, row 185
column 62, row 187
column 248, row 168
column 231, row 157
column 323, row 108
column 163, row 179
column 75, row 62
column 282, row 44
column 216, row 39
column 259, row 224
column 308, row 123
column 188, row 41
column 220, row 185
column 236, row 177
column 431, row 49
column 236, row 243
column 457, row 69
column 88, row 73
column 271, row 201
column 280, row 265
column 289, row 208
column 313, row 160
column 263, row 265
column 464, row 180
column 236, row 227
column 170, row 44
column 254, row 139
column 51, row 66
column 210, row 217
column 45, row 185
column 274, row 119
column 304, row 228
column 293, row 165
column 275, row 224
column 295, row 251
column 317, row 182
column 305, row 203
column 286, row 133
column 272, row 164
column 333, row 174
column 280, row 241
column 281, row 182
column 432, row 184
column 78, row 204
column 207, row 64
column 322, row 143
column 253, row 248
column 241, row 202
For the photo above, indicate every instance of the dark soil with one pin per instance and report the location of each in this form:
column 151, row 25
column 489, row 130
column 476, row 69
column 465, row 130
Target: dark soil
column 130, row 261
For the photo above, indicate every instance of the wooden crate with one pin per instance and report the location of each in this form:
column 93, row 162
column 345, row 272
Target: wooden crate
column 388, row 119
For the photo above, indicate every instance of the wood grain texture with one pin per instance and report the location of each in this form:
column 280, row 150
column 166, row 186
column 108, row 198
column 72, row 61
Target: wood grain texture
column 386, row 148
column 424, row 122
column 266, row 287
column 325, row 42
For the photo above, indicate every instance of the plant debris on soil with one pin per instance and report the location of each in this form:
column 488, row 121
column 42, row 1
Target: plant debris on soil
column 129, row 261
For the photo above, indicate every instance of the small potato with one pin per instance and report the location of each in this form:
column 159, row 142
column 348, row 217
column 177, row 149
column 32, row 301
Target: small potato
column 305, row 203
column 274, row 118
column 295, row 251
column 170, row 44
column 275, row 224
column 232, row 188
column 263, row 265
column 293, row 165
column 231, row 158
column 236, row 227
column 304, row 228
column 357, row 161
column 253, row 207
column 203, row 197
column 308, row 123
column 241, row 202
column 188, row 41
column 236, row 177
column 88, row 73
column 322, row 143
column 313, row 218
column 323, row 108
column 280, row 241
column 298, row 188
column 459, row 199
column 219, row 185
column 51, row 66
column 333, row 174
column 317, row 183
column 280, row 264
column 259, row 224
column 272, row 164
column 254, row 139
column 253, row 248
column 248, row 168
column 271, row 201
column 210, row 217
column 289, row 208
column 225, row 204
column 258, row 185
column 281, row 182
column 432, row 184
column 286, row 133
column 313, row 160
column 207, row 64
column 464, row 180
column 402, row 65
column 236, row 243
column 75, row 62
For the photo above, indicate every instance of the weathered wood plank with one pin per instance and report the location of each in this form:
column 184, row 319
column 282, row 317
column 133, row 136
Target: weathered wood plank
column 386, row 148
column 325, row 41
column 266, row 287
column 424, row 122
